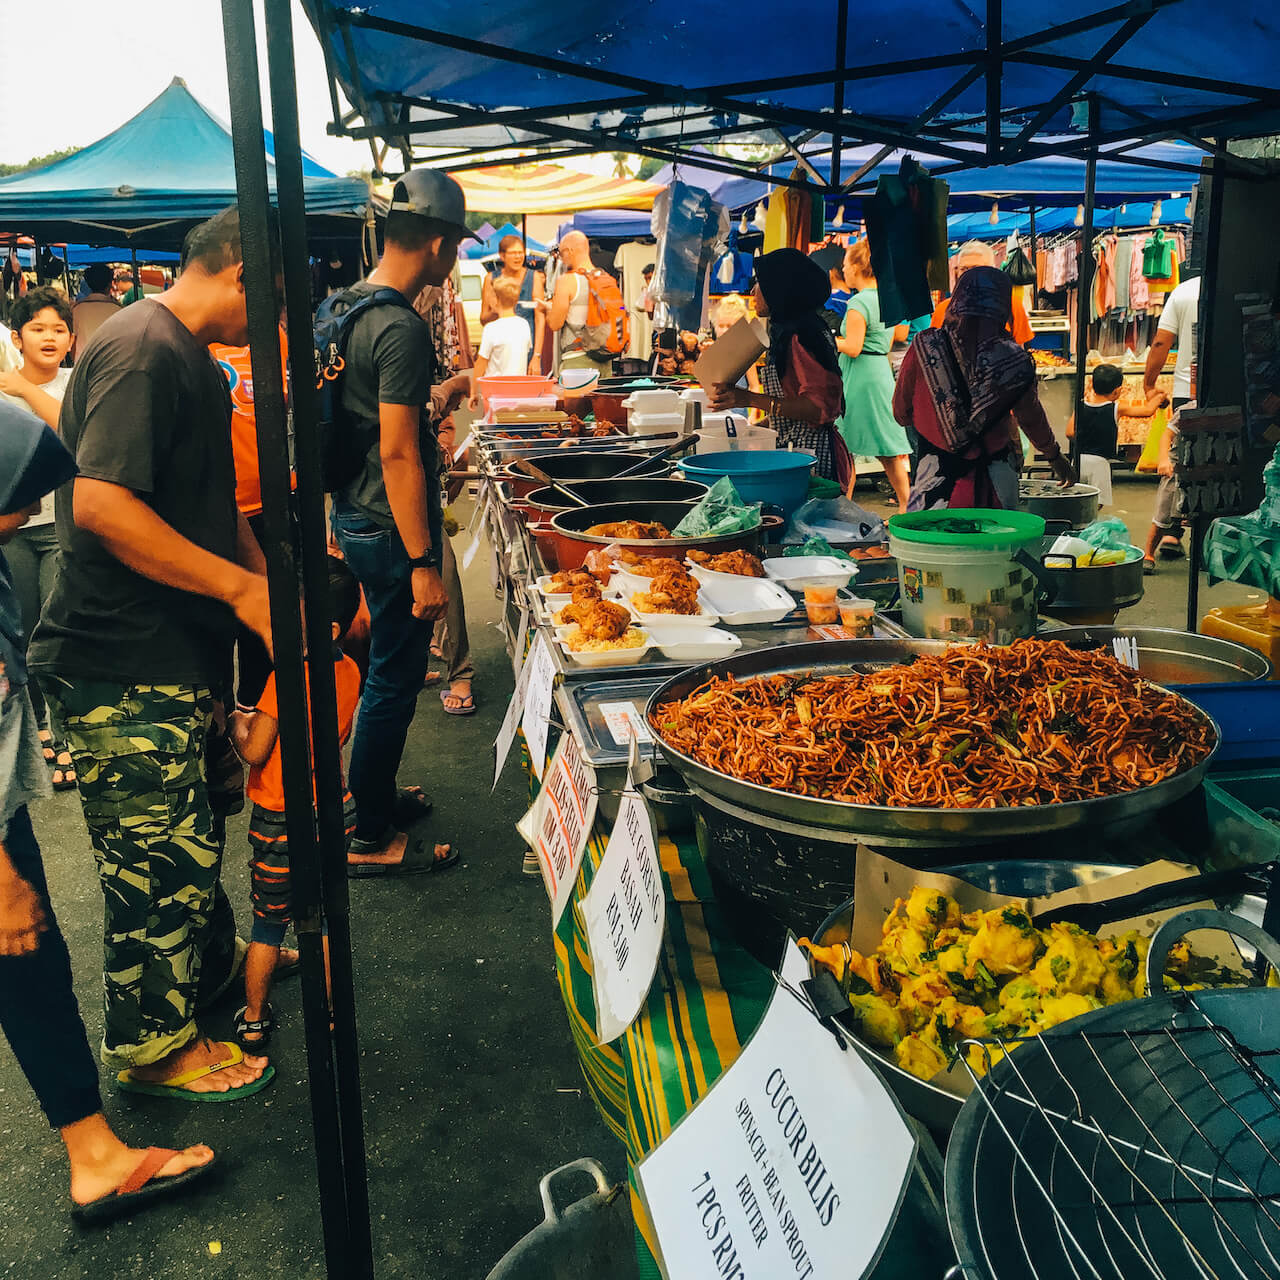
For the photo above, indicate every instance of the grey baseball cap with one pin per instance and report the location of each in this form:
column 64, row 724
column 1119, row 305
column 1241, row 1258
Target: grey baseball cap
column 431, row 193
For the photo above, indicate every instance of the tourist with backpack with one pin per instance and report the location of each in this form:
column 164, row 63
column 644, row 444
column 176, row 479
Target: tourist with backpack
column 380, row 410
column 586, row 311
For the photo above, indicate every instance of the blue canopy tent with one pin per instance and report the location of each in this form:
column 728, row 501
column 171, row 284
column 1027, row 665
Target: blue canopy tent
column 488, row 245
column 609, row 224
column 79, row 256
column 148, row 182
column 1131, row 217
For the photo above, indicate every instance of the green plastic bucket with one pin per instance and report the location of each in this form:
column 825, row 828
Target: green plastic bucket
column 963, row 573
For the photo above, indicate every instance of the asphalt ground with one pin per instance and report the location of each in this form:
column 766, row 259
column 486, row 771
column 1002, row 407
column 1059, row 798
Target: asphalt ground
column 471, row 1084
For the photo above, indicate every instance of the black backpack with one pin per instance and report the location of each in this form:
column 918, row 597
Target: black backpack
column 344, row 439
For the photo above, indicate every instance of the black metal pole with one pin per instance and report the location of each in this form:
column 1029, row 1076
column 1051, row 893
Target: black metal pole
column 331, row 827
column 842, row 60
column 137, row 279
column 259, row 246
column 1204, row 334
column 1084, row 289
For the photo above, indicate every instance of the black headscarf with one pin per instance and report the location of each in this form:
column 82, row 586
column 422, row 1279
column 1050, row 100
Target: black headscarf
column 33, row 462
column 795, row 289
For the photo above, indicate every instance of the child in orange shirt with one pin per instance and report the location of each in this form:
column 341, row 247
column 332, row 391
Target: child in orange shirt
column 256, row 735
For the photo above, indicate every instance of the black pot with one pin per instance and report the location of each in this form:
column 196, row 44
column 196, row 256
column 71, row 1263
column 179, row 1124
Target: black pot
column 597, row 492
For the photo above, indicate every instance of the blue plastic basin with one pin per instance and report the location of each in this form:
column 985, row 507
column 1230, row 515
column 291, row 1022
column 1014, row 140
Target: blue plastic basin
column 774, row 476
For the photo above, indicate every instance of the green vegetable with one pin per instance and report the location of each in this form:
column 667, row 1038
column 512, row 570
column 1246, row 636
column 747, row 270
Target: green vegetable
column 1019, row 919
column 957, row 750
column 1059, row 966
column 859, row 986
column 984, row 976
column 1127, row 967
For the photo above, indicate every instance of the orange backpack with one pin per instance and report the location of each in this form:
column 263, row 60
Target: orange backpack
column 608, row 328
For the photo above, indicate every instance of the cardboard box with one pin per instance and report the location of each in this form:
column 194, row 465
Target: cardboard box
column 733, row 353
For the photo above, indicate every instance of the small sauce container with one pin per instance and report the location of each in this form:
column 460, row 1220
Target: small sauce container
column 857, row 614
column 820, row 605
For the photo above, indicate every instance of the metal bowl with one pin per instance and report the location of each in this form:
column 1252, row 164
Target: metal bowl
column 882, row 825
column 1077, row 505
column 1175, row 658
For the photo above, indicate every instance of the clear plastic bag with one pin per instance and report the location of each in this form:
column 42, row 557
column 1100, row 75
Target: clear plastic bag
column 817, row 547
column 835, row 520
column 1106, row 535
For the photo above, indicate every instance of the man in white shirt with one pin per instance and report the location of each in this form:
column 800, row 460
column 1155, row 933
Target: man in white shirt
column 505, row 342
column 1177, row 327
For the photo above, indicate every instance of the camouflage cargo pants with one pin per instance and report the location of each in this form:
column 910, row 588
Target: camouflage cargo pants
column 169, row 932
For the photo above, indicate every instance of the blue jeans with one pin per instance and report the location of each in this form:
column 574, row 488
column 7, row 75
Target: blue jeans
column 399, row 646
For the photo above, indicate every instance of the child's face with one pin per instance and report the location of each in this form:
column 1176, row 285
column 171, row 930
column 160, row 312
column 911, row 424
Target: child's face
column 44, row 340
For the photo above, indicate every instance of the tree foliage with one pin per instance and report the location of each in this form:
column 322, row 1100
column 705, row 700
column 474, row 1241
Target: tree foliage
column 37, row 161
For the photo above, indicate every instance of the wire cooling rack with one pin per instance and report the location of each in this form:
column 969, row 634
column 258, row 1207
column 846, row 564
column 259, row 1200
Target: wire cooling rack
column 1145, row 1145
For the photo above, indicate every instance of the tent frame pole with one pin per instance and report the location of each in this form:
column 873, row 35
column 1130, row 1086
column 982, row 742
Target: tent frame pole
column 335, row 1120
column 1085, row 283
column 837, row 138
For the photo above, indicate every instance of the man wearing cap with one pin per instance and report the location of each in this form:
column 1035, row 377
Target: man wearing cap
column 388, row 519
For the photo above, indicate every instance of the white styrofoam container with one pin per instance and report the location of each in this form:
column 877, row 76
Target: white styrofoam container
column 712, row 575
column 742, row 601
column 715, row 438
column 605, row 657
column 696, row 644
column 659, row 400
column 655, row 424
column 797, row 572
column 658, row 623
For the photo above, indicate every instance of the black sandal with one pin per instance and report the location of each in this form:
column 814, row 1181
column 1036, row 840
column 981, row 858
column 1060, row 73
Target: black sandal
column 262, row 1029
column 68, row 780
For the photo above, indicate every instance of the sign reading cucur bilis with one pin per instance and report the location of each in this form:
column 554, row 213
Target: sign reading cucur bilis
column 792, row 1165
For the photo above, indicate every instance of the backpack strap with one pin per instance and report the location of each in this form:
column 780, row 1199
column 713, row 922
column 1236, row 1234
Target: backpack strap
column 331, row 362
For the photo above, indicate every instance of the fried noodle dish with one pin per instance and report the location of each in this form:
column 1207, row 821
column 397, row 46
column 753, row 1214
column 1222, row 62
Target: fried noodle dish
column 1031, row 723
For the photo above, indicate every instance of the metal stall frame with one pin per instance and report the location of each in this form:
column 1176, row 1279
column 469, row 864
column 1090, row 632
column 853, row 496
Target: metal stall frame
column 306, row 685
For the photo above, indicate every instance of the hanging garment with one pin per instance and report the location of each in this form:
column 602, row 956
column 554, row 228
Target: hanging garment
column 908, row 241
column 1139, row 294
column 1158, row 256
column 1124, row 258
column 1162, row 288
column 775, row 222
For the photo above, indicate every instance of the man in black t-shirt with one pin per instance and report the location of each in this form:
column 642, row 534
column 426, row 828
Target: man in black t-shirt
column 388, row 520
column 156, row 566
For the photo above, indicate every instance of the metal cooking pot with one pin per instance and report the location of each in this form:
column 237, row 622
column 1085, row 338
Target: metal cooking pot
column 1101, row 589
column 541, row 502
column 1077, row 505
column 569, row 466
column 569, row 542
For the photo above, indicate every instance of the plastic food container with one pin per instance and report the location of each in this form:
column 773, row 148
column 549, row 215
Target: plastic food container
column 696, row 644
column 965, row 573
column 797, row 572
column 740, row 602
column 522, row 387
column 820, row 605
column 660, row 623
column 778, row 477
column 655, row 424
column 603, row 657
column 857, row 614
column 731, row 432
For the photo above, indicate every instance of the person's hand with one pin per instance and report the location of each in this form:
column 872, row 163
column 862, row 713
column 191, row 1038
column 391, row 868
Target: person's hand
column 535, row 364
column 1165, row 468
column 722, row 395
column 253, row 608
column 457, row 389
column 430, row 599
column 12, row 383
column 22, row 918
column 1161, row 399
column 1065, row 473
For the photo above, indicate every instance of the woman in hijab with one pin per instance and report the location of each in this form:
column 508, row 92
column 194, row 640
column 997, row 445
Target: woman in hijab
column 963, row 387
column 38, row 1010
column 801, row 373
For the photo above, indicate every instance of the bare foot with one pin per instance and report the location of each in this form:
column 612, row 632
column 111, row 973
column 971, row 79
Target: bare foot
column 391, row 854
column 93, row 1180
column 203, row 1053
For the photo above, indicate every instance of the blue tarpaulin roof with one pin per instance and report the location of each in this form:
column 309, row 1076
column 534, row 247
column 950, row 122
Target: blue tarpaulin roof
column 611, row 224
column 667, row 76
column 84, row 255
column 146, row 182
column 978, row 226
column 489, row 244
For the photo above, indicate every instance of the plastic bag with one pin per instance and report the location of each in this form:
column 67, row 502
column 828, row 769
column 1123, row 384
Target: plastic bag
column 1106, row 535
column 817, row 547
column 692, row 230
column 721, row 511
column 835, row 520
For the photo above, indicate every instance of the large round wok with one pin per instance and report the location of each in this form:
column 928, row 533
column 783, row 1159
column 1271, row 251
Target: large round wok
column 545, row 502
column 569, row 542
column 882, row 824
column 570, row 465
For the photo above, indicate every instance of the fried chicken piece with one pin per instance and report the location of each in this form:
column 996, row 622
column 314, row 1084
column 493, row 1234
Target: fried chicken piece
column 597, row 619
column 646, row 566
column 742, row 563
column 568, row 581
column 671, row 591
column 634, row 529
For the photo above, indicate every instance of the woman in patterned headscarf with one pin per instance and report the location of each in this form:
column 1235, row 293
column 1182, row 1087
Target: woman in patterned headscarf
column 959, row 387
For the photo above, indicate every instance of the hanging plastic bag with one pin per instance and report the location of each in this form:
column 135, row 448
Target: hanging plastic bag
column 1019, row 268
column 721, row 512
column 1150, row 459
column 835, row 520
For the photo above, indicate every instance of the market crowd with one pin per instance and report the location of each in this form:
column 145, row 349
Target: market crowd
column 130, row 511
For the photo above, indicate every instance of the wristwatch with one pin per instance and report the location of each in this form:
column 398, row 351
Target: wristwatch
column 431, row 560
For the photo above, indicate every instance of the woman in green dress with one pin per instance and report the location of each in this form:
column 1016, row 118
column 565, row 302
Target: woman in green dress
column 868, row 425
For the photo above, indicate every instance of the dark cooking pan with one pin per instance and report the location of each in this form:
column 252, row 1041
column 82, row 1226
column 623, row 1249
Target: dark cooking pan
column 568, row 467
column 569, row 541
column 547, row 501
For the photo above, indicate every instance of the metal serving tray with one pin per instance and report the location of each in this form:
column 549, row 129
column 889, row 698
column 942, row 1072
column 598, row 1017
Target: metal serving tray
column 849, row 822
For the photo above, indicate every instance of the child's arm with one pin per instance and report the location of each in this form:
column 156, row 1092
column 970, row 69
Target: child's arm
column 481, row 366
column 1143, row 408
column 1164, row 461
column 1071, row 427
column 40, row 402
column 254, row 735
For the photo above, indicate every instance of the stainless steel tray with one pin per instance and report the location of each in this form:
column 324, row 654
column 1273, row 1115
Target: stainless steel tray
column 1176, row 657
column 851, row 821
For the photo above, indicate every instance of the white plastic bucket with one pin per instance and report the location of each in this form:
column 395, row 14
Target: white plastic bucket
column 958, row 591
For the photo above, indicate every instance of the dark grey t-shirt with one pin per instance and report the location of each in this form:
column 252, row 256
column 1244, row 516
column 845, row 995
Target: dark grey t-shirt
column 146, row 409
column 390, row 360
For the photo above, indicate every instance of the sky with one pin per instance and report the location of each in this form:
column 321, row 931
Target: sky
column 85, row 67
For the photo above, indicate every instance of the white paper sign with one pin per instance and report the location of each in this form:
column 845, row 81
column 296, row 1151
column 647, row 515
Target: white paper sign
column 560, row 821
column 625, row 721
column 537, row 703
column 478, row 537
column 625, row 912
column 792, row 1165
column 517, row 653
column 510, row 722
